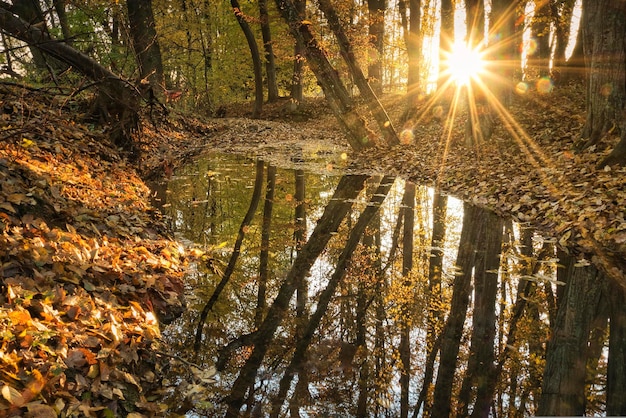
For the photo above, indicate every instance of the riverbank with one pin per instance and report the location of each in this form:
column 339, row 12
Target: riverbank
column 89, row 273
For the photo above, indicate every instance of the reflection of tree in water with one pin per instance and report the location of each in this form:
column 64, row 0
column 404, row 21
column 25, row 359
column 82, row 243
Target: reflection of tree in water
column 378, row 328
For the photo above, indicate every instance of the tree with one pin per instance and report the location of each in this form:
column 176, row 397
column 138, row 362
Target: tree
column 604, row 40
column 256, row 58
column 376, row 10
column 146, row 43
column 270, row 65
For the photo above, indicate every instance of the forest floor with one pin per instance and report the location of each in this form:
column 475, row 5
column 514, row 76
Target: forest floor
column 86, row 261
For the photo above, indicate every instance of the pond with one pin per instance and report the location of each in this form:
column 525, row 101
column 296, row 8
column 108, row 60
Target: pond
column 333, row 293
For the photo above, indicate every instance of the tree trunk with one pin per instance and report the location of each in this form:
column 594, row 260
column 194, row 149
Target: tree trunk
column 539, row 61
column 376, row 9
column 327, row 294
column 264, row 255
column 471, row 234
column 145, row 43
column 348, row 188
column 408, row 207
column 563, row 388
column 298, row 59
column 270, row 65
column 121, row 102
column 59, row 8
column 345, row 47
column 561, row 11
column 230, row 268
column 446, row 40
column 605, row 52
column 359, row 136
column 256, row 58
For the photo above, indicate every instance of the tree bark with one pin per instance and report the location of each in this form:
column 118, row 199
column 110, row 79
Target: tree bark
column 616, row 369
column 345, row 47
column 270, row 64
column 359, row 136
column 605, row 52
column 376, row 9
column 256, row 58
column 298, row 59
column 348, row 188
column 145, row 43
column 563, row 388
column 471, row 234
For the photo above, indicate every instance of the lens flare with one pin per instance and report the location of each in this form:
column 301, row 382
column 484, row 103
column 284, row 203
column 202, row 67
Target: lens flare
column 464, row 63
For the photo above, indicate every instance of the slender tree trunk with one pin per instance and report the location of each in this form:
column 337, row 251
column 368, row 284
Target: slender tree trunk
column 331, row 287
column 345, row 46
column 348, row 188
column 256, row 58
column 359, row 136
column 408, row 205
column 446, row 40
column 230, row 268
column 563, row 388
column 616, row 369
column 270, row 65
column 298, row 59
column 145, row 43
column 59, row 8
column 376, row 10
column 539, row 61
column 562, row 12
column 264, row 255
column 471, row 234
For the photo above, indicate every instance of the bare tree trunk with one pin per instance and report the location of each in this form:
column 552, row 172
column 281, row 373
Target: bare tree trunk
column 298, row 59
column 348, row 188
column 563, row 388
column 230, row 268
column 359, row 136
column 376, row 10
column 264, row 255
column 145, row 43
column 270, row 65
column 408, row 205
column 256, row 58
column 380, row 115
column 471, row 233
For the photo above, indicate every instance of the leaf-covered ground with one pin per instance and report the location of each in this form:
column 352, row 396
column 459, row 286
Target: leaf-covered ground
column 86, row 269
column 86, row 264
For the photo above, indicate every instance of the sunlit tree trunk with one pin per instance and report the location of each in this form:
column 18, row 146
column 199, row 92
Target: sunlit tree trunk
column 264, row 272
column 446, row 39
column 408, row 206
column 339, row 100
column 412, row 29
column 145, row 43
column 471, row 233
column 563, row 388
column 605, row 54
column 345, row 47
column 256, row 58
column 504, row 55
column 561, row 12
column 376, row 10
column 270, row 65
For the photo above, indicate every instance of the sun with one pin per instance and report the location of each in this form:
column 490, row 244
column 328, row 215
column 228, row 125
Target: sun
column 464, row 63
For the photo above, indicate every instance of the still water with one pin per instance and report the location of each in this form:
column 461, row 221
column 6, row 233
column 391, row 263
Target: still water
column 339, row 294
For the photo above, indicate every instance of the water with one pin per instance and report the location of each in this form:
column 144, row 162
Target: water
column 466, row 282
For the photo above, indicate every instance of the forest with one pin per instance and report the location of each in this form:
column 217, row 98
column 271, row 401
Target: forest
column 313, row 208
